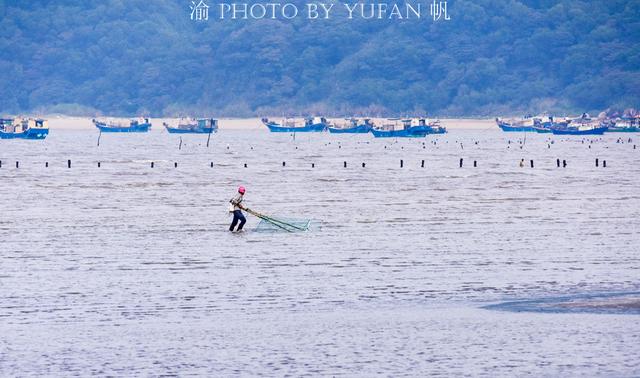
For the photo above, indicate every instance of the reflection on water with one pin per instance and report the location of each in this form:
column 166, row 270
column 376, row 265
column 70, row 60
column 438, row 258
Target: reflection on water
column 128, row 269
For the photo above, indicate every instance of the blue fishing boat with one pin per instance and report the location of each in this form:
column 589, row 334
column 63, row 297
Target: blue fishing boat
column 134, row 126
column 623, row 129
column 525, row 124
column 522, row 125
column 353, row 127
column 511, row 128
column 193, row 126
column 409, row 129
column 311, row 124
column 531, row 124
column 436, row 128
column 582, row 125
column 23, row 128
column 544, row 127
column 581, row 130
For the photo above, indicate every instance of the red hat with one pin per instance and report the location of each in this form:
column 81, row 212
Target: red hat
column 241, row 190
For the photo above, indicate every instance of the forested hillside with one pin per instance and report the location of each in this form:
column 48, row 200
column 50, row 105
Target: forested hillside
column 128, row 57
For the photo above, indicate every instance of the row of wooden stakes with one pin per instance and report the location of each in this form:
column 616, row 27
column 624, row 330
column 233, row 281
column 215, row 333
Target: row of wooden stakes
column 559, row 164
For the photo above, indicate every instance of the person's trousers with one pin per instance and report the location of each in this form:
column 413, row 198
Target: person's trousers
column 238, row 216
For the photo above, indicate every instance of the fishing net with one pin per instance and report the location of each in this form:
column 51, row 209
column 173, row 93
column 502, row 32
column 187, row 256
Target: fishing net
column 277, row 224
column 283, row 225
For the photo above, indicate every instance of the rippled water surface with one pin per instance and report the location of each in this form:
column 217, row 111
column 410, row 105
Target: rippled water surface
column 129, row 270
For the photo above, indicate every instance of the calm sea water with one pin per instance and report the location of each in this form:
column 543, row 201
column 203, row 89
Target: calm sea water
column 129, row 270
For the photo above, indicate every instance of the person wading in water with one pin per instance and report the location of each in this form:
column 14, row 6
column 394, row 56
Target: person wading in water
column 236, row 207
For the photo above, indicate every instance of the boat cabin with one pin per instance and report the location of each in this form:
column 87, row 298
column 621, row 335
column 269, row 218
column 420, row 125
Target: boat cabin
column 415, row 122
column 139, row 121
column 309, row 121
column 207, row 123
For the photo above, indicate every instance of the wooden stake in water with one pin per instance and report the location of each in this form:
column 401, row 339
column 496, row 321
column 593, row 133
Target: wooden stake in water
column 180, row 146
column 99, row 135
column 210, row 131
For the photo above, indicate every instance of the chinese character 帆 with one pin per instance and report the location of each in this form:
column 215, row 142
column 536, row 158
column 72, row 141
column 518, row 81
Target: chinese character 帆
column 199, row 12
column 438, row 10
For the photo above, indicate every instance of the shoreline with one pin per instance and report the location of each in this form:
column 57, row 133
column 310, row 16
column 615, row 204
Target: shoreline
column 84, row 123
